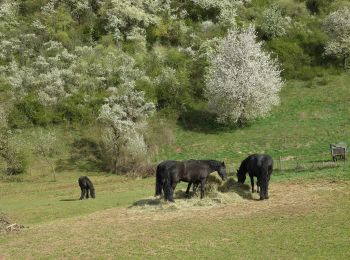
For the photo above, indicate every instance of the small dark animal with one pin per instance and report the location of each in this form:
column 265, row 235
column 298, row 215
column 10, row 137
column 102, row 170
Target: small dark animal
column 86, row 186
column 260, row 166
column 196, row 172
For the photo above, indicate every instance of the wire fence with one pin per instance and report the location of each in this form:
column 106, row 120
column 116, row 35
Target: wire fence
column 297, row 164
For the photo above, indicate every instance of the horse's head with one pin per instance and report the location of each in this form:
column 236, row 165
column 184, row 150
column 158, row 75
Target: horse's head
column 92, row 193
column 222, row 171
column 241, row 175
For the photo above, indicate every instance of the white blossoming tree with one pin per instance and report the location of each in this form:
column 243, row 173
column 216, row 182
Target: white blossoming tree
column 125, row 19
column 337, row 26
column 273, row 23
column 243, row 81
column 123, row 117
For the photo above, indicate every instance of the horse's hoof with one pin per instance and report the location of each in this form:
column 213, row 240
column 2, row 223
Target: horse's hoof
column 267, row 197
column 261, row 198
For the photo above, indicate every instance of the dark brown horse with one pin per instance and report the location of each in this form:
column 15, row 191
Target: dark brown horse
column 260, row 166
column 195, row 172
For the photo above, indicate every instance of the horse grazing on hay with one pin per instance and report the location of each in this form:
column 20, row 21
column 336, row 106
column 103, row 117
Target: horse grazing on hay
column 260, row 166
column 195, row 172
column 86, row 186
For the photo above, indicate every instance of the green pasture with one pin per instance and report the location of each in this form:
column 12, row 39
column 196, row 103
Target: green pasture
column 309, row 119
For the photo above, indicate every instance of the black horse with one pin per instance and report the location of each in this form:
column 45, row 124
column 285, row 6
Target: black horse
column 195, row 172
column 260, row 166
column 86, row 186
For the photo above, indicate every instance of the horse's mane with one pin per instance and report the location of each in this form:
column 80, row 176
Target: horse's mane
column 213, row 163
column 243, row 165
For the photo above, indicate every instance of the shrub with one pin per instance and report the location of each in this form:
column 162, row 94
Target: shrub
column 273, row 23
column 290, row 55
column 316, row 6
column 123, row 117
column 11, row 148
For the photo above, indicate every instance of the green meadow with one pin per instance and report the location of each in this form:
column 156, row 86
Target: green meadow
column 305, row 217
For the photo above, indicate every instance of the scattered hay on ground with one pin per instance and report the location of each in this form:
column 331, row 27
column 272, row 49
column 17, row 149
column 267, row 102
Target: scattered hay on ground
column 6, row 226
column 217, row 193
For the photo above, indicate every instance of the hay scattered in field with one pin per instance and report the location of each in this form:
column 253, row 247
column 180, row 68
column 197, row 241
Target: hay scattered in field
column 4, row 222
column 217, row 193
column 6, row 226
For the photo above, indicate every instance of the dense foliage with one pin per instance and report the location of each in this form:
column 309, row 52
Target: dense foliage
column 61, row 59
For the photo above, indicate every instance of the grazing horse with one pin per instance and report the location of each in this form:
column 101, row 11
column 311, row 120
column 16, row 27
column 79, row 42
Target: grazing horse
column 86, row 186
column 260, row 166
column 195, row 172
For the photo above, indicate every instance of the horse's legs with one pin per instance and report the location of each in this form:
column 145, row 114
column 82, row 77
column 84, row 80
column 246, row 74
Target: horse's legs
column 82, row 193
column 264, row 181
column 173, row 186
column 195, row 186
column 87, row 192
column 202, row 188
column 266, row 195
column 258, row 186
column 188, row 188
column 252, row 182
column 168, row 191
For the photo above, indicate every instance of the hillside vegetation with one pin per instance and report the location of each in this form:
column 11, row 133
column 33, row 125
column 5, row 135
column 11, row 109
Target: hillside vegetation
column 75, row 68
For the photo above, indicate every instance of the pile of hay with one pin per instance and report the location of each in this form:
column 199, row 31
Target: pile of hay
column 217, row 193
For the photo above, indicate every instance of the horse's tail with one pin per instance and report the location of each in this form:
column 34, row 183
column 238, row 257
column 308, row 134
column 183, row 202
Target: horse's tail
column 159, row 183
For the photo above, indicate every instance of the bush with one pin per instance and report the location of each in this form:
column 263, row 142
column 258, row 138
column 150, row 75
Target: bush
column 290, row 55
column 316, row 6
column 17, row 162
column 79, row 108
column 30, row 111
column 11, row 150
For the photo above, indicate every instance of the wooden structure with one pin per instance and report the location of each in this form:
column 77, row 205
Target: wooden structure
column 338, row 151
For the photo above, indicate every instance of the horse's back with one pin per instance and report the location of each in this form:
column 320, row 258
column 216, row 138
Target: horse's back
column 257, row 161
column 264, row 160
column 167, row 165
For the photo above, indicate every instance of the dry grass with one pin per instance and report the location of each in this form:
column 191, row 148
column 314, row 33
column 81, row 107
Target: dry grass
column 138, row 233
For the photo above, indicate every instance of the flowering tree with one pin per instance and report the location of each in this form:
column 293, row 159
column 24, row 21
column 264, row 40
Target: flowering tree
column 125, row 19
column 273, row 23
column 243, row 81
column 337, row 26
column 123, row 117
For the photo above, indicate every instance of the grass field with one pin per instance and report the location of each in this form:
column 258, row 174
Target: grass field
column 307, row 215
